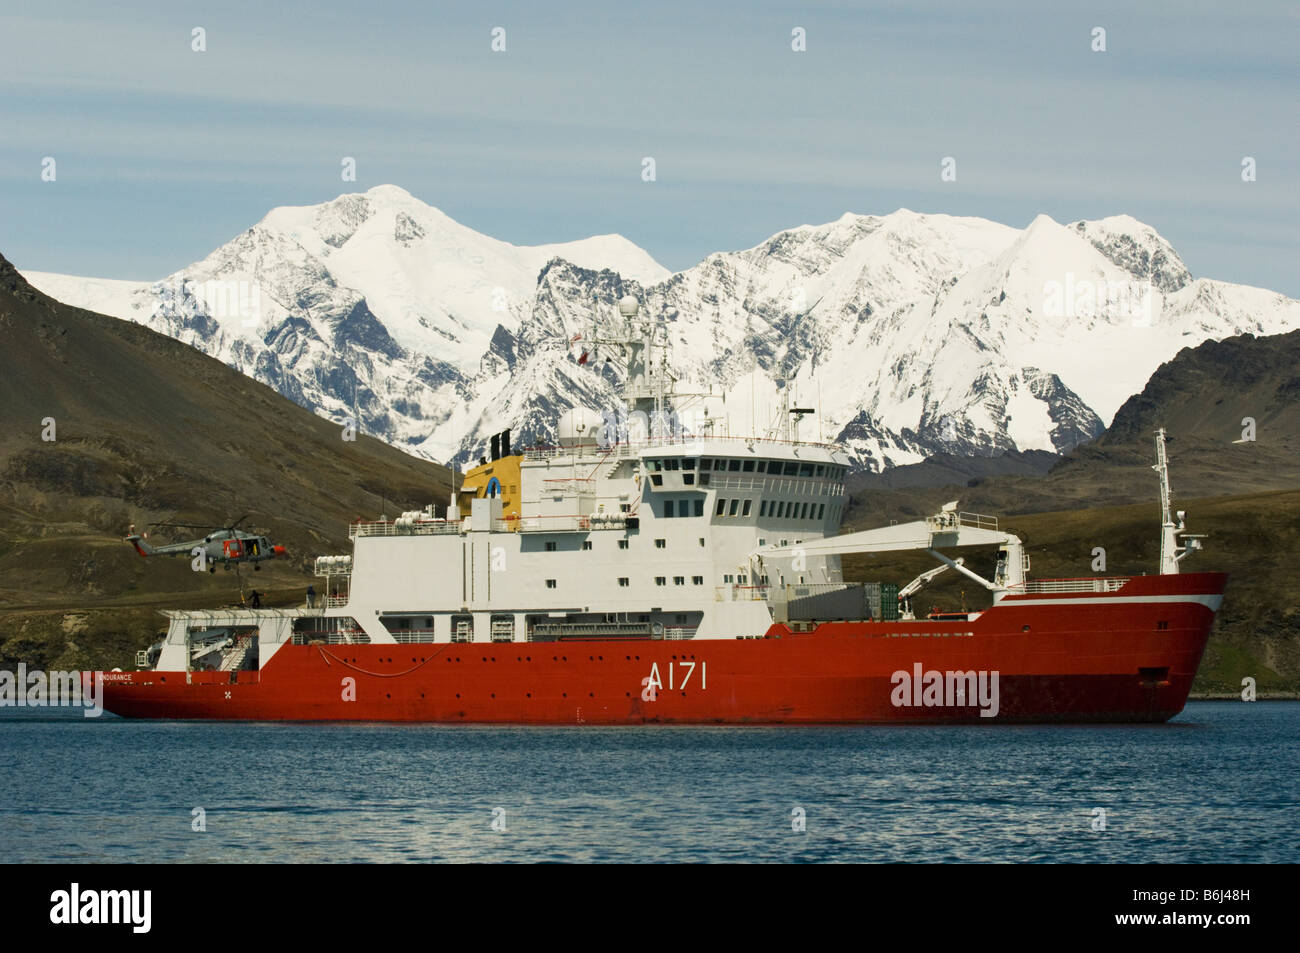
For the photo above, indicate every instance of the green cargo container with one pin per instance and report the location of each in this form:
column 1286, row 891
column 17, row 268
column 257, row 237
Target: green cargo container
column 888, row 602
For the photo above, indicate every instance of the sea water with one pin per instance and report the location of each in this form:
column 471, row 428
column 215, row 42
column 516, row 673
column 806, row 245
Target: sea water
column 1216, row 784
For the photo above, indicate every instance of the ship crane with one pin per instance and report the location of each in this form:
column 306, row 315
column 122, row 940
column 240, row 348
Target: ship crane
column 916, row 585
column 945, row 530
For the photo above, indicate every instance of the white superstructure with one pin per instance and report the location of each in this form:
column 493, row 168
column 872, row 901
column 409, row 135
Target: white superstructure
column 634, row 525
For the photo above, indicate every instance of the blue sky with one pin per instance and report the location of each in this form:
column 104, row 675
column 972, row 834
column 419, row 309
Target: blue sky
column 164, row 153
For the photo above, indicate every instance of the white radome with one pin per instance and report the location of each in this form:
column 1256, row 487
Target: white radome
column 578, row 425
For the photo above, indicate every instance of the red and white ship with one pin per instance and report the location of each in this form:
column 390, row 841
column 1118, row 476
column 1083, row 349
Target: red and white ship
column 642, row 571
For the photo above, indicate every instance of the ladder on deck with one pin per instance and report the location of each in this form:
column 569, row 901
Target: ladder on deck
column 235, row 659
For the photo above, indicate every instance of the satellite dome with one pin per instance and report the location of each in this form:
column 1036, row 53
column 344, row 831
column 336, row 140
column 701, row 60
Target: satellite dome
column 579, row 425
column 628, row 306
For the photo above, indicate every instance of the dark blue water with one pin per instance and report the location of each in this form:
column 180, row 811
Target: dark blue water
column 1218, row 784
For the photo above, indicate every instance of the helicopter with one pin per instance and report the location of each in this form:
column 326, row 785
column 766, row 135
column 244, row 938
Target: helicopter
column 228, row 545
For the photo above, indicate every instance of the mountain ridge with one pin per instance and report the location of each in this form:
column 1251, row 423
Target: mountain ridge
column 918, row 334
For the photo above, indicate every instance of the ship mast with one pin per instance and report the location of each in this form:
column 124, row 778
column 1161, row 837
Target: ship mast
column 1171, row 552
column 1168, row 531
column 648, row 386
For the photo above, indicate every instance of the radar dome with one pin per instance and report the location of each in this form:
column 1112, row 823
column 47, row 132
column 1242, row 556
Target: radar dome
column 628, row 306
column 579, row 425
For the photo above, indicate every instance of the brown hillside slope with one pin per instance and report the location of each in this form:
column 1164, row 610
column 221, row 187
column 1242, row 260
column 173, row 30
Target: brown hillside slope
column 149, row 430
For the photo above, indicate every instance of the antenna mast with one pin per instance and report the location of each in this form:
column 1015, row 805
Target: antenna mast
column 1171, row 553
column 1168, row 530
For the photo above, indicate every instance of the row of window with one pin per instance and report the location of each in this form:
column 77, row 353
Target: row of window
column 776, row 509
column 688, row 479
column 625, row 581
column 659, row 543
column 772, row 467
column 681, row 508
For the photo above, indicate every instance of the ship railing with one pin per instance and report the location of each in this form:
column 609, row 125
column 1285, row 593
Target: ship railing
column 570, row 523
column 722, row 481
column 1079, row 584
column 978, row 520
column 805, row 486
column 952, row 520
column 390, row 528
column 631, row 448
column 335, row 602
column 353, row 636
column 804, row 589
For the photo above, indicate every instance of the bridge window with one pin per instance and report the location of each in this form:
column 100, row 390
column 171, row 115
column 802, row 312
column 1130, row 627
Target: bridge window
column 722, row 505
column 735, row 504
column 653, row 465
column 668, row 509
column 688, row 463
column 699, row 506
column 820, row 468
column 550, row 546
column 749, row 466
column 792, row 468
column 745, row 510
column 762, row 508
column 697, row 580
column 688, row 479
column 806, row 469
column 679, row 580
column 672, row 463
column 661, row 580
column 656, row 479
column 821, row 510
column 733, row 466
column 762, row 466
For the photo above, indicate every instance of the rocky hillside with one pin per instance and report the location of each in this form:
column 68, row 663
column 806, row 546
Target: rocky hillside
column 111, row 424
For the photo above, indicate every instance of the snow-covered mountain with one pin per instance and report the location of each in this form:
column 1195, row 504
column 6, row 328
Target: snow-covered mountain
column 911, row 334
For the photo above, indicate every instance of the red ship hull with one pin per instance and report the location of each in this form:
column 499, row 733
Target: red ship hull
column 1126, row 656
